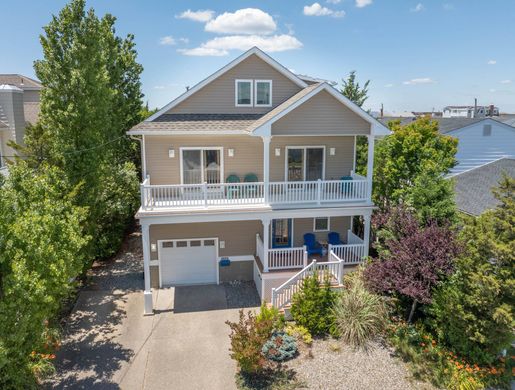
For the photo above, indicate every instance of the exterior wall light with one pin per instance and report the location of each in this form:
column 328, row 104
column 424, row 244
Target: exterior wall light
column 171, row 153
column 230, row 152
column 332, row 151
column 277, row 152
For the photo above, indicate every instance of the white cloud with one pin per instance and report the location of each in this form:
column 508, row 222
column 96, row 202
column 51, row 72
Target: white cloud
column 419, row 7
column 334, row 1
column 197, row 16
column 184, row 40
column 316, row 9
column 492, row 62
column 168, row 41
column 505, row 81
column 421, row 80
column 220, row 46
column 363, row 3
column 243, row 21
column 388, row 85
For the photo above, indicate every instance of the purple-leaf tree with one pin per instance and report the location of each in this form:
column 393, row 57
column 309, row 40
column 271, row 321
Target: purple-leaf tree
column 412, row 259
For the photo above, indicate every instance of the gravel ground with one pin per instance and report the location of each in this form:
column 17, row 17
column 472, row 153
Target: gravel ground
column 241, row 294
column 336, row 366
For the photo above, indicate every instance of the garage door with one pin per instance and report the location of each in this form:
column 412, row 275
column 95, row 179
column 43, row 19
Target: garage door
column 191, row 261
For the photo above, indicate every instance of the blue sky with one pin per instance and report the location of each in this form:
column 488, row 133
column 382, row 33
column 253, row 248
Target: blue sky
column 419, row 55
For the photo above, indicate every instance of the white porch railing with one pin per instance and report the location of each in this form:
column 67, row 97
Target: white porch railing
column 352, row 252
column 227, row 194
column 282, row 295
column 284, row 258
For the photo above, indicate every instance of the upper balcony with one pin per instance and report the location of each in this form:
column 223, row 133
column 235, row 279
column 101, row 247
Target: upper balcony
column 354, row 190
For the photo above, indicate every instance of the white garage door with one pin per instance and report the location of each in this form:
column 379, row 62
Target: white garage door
column 191, row 261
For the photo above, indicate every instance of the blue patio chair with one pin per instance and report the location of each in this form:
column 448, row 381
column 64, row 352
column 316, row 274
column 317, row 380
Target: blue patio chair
column 232, row 191
column 312, row 245
column 333, row 238
column 346, row 186
column 251, row 191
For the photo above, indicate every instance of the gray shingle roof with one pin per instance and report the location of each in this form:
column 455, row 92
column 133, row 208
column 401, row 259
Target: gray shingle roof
column 31, row 111
column 473, row 189
column 199, row 122
column 20, row 81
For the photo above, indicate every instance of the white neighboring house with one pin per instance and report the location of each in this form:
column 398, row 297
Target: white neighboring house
column 470, row 111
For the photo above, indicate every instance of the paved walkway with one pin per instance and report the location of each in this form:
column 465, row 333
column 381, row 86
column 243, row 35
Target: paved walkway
column 109, row 344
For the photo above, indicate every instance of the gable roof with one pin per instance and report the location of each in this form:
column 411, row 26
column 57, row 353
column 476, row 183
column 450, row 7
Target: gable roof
column 20, row 81
column 473, row 188
column 254, row 51
column 302, row 96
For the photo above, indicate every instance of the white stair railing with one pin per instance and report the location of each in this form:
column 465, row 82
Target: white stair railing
column 282, row 295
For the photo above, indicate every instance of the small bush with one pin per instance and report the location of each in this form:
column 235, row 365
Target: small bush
column 359, row 314
column 271, row 319
column 280, row 347
column 247, row 339
column 299, row 332
column 312, row 306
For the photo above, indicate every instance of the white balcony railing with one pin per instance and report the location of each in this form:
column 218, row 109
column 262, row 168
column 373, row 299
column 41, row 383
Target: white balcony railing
column 352, row 252
column 240, row 194
column 286, row 258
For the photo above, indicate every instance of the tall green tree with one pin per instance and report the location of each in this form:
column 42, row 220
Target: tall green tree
column 410, row 165
column 474, row 311
column 41, row 241
column 91, row 96
column 358, row 95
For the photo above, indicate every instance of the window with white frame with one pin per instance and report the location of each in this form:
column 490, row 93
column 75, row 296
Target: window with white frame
column 263, row 93
column 201, row 165
column 321, row 224
column 244, row 93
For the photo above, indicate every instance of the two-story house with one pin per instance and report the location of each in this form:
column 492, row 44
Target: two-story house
column 246, row 175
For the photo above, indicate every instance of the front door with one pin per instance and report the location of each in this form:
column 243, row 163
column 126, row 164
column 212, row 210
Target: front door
column 281, row 233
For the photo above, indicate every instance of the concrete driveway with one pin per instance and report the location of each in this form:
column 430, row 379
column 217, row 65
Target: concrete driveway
column 109, row 344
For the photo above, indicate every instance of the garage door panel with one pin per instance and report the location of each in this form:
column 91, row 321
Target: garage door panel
column 191, row 264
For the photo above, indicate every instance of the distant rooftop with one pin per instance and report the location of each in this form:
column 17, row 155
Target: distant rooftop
column 20, row 81
column 447, row 125
column 473, row 188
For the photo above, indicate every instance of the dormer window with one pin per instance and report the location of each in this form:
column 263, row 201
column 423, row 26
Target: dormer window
column 244, row 93
column 263, row 93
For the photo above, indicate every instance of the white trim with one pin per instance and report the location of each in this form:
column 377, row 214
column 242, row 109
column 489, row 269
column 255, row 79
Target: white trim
column 174, row 240
column 304, row 147
column 376, row 128
column 251, row 82
column 202, row 148
column 355, row 152
column 237, row 258
column 143, row 157
column 328, row 224
column 270, row 229
column 265, row 57
column 270, row 83
column 258, row 214
column 154, row 263
column 214, row 133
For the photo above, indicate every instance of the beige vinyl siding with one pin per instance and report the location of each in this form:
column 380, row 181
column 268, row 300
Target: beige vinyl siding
column 239, row 236
column 248, row 155
column 31, row 96
column 322, row 114
column 305, row 225
column 335, row 166
column 218, row 97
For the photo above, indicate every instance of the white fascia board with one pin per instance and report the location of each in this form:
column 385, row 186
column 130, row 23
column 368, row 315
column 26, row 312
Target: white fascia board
column 149, row 218
column 487, row 120
column 265, row 57
column 377, row 128
column 188, row 132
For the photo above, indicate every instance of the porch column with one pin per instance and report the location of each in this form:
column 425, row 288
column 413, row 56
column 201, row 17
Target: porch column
column 266, row 164
column 147, row 295
column 370, row 165
column 266, row 239
column 366, row 234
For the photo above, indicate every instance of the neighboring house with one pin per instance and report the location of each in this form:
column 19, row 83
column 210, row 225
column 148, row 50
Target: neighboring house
column 470, row 111
column 480, row 140
column 19, row 105
column 473, row 188
column 241, row 166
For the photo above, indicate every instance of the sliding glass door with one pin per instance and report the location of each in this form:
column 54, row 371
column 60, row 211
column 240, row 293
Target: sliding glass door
column 201, row 165
column 305, row 163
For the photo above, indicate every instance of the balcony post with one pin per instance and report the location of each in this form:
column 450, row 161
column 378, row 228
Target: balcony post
column 366, row 235
column 266, row 165
column 204, row 191
column 370, row 165
column 147, row 295
column 266, row 235
column 319, row 191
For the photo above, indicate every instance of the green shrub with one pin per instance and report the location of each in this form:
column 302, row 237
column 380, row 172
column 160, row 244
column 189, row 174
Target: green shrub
column 299, row 332
column 312, row 306
column 247, row 339
column 280, row 347
column 359, row 314
column 270, row 318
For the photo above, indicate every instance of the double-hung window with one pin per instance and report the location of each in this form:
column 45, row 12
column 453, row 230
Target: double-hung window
column 244, row 93
column 201, row 165
column 263, row 93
